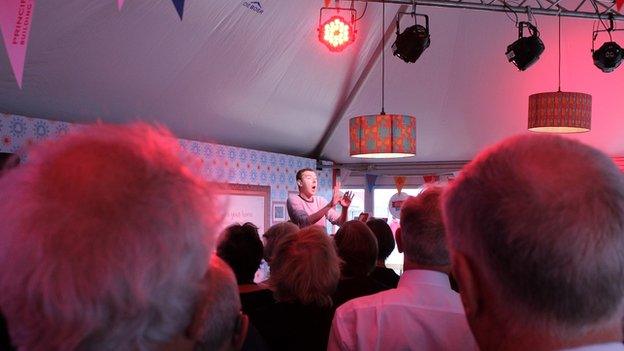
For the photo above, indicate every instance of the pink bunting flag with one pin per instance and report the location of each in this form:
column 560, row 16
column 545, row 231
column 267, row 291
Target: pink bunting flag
column 120, row 4
column 619, row 4
column 15, row 22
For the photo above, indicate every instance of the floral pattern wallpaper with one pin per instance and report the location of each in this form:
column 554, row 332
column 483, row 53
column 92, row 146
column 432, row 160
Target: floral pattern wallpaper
column 221, row 163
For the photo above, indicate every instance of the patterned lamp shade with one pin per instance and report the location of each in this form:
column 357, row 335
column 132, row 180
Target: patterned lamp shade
column 560, row 112
column 382, row 136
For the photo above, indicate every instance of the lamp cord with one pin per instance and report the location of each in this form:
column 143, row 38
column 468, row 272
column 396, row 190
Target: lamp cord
column 383, row 61
column 559, row 17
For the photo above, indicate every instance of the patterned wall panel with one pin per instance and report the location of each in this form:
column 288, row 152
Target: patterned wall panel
column 220, row 163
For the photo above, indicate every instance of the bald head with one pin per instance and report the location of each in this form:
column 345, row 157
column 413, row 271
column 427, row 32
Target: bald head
column 542, row 220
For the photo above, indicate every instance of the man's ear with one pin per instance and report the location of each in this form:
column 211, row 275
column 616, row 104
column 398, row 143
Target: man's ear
column 242, row 326
column 399, row 239
column 466, row 278
column 299, row 183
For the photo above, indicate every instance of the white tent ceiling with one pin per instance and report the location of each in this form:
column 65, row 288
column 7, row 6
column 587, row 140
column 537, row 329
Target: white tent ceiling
column 229, row 75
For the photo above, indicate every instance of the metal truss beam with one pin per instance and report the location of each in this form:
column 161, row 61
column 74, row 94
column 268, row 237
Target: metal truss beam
column 591, row 9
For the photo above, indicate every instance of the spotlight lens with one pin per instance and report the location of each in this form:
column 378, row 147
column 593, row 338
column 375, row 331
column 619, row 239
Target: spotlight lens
column 525, row 51
column 336, row 33
column 608, row 57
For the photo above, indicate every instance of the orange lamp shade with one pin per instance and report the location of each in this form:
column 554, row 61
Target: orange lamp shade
column 382, row 136
column 560, row 112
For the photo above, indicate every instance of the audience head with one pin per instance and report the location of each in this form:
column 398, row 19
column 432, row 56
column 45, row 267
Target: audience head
column 357, row 247
column 536, row 229
column 383, row 234
column 105, row 238
column 421, row 235
column 241, row 247
column 305, row 267
column 218, row 323
column 274, row 234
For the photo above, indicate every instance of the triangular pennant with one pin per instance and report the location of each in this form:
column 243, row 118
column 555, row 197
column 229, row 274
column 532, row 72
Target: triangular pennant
column 179, row 5
column 344, row 174
column 120, row 4
column 618, row 4
column 371, row 179
column 399, row 182
column 15, row 22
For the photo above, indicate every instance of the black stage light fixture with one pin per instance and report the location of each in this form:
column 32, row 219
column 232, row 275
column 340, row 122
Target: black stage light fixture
column 410, row 44
column 608, row 57
column 525, row 51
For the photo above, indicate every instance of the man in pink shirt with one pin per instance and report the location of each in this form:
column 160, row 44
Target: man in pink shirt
column 305, row 208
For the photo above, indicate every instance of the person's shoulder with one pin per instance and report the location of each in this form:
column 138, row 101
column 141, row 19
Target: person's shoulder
column 363, row 302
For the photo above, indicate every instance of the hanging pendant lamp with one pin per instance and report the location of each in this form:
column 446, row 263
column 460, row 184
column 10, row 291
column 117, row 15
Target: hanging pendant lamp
column 559, row 111
column 382, row 135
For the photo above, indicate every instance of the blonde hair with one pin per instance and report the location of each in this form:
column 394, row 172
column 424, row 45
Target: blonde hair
column 105, row 238
column 274, row 234
column 305, row 267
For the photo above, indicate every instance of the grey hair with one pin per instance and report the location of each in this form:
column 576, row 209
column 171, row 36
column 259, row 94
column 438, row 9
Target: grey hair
column 105, row 239
column 543, row 216
column 216, row 316
column 422, row 229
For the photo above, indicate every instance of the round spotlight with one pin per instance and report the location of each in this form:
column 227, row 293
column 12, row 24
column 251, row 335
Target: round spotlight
column 608, row 57
column 410, row 44
column 336, row 33
column 525, row 51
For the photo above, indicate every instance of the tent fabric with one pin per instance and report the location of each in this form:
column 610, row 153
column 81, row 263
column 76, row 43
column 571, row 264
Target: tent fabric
column 232, row 75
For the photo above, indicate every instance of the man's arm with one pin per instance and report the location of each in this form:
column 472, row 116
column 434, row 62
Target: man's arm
column 345, row 202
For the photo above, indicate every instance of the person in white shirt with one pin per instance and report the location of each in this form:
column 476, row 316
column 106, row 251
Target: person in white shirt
column 306, row 208
column 535, row 227
column 422, row 313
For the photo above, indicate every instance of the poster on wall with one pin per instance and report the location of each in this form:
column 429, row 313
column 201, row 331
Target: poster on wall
column 245, row 203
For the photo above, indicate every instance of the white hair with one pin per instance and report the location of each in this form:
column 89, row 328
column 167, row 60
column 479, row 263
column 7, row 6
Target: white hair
column 105, row 238
column 543, row 217
column 218, row 311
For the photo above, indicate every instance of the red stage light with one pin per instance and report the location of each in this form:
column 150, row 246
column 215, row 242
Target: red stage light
column 336, row 33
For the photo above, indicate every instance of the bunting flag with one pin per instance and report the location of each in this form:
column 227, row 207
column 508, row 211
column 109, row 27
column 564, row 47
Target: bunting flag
column 179, row 5
column 618, row 4
column 344, row 174
column 120, row 4
column 15, row 22
column 399, row 182
column 371, row 179
column 431, row 178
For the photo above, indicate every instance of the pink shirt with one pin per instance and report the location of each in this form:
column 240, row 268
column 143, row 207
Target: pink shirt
column 422, row 313
column 299, row 210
